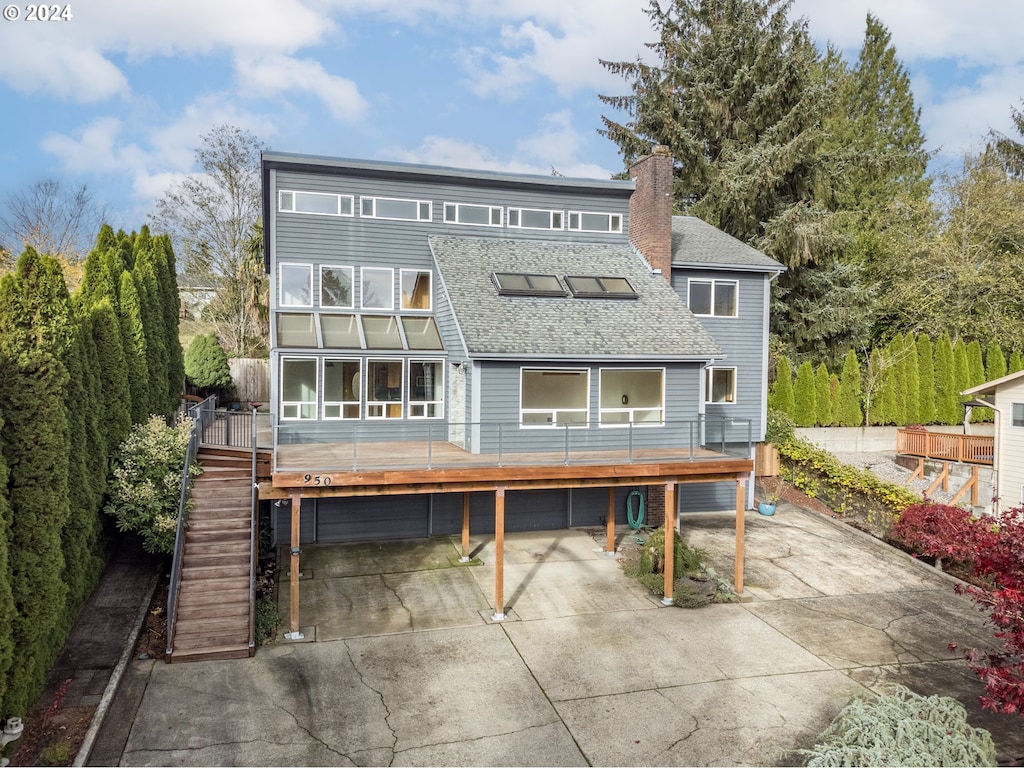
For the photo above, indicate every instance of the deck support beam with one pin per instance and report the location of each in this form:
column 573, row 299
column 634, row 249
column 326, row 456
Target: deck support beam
column 465, row 528
column 610, row 551
column 671, row 518
column 741, row 504
column 293, row 577
column 499, row 553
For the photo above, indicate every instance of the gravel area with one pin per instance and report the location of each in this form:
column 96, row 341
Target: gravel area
column 883, row 465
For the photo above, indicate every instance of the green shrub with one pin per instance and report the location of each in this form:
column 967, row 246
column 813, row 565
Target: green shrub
column 695, row 584
column 206, row 366
column 268, row 619
column 56, row 754
column 145, row 484
column 903, row 729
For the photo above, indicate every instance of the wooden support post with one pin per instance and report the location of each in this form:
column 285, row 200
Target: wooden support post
column 293, row 580
column 499, row 553
column 741, row 499
column 670, row 540
column 465, row 527
column 918, row 473
column 971, row 484
column 943, row 478
column 611, row 521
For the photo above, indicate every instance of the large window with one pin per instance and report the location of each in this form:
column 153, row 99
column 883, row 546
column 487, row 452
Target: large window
column 298, row 388
column 534, row 218
column 421, row 333
column 378, row 288
column 381, row 332
column 340, row 331
column 384, row 389
column 415, row 289
column 717, row 298
column 632, row 396
column 342, row 385
column 322, row 203
column 296, row 285
column 550, row 398
column 426, row 389
column 582, row 221
column 296, row 330
column 720, row 385
column 464, row 213
column 336, row 287
column 395, row 208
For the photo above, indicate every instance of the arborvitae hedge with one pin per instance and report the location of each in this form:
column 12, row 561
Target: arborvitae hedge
column 926, row 399
column 781, row 397
column 823, row 395
column 848, row 411
column 133, row 337
column 805, row 398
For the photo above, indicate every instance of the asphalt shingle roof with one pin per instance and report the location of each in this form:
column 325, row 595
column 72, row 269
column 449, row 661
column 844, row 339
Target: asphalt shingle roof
column 695, row 242
column 655, row 325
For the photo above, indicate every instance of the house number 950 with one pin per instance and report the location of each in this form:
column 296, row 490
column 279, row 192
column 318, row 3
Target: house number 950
column 317, row 479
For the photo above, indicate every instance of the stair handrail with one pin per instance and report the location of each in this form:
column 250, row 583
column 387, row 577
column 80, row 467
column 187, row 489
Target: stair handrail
column 195, row 413
column 253, row 541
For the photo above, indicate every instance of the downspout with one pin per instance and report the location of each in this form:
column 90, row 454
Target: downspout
column 996, row 495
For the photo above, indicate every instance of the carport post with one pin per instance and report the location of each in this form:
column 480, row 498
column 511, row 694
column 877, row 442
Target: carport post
column 611, row 521
column 741, row 503
column 293, row 580
column 465, row 528
column 499, row 553
column 670, row 543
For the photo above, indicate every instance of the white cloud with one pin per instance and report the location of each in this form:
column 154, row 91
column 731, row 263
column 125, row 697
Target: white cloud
column 269, row 76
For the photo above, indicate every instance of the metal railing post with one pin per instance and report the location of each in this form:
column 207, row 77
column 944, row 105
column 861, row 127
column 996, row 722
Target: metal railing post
column 499, row 444
column 565, row 458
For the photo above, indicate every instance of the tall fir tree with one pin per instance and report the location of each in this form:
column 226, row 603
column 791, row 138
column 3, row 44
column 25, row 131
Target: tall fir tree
column 823, row 395
column 926, row 393
column 879, row 400
column 112, row 367
column 995, row 362
column 805, row 397
column 133, row 339
column 1016, row 362
column 912, row 375
column 947, row 395
column 848, row 411
column 152, row 312
column 168, row 282
column 781, row 397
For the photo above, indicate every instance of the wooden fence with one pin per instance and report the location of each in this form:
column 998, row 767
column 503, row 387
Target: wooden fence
column 251, row 376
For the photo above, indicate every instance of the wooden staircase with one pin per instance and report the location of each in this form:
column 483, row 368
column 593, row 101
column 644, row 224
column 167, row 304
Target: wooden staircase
column 212, row 618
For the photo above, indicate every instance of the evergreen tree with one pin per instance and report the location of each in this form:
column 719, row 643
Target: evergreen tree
column 880, row 394
column 848, row 409
column 926, row 399
column 947, row 396
column 206, row 365
column 133, row 337
column 823, row 395
column 895, row 355
column 781, row 398
column 152, row 312
column 805, row 400
column 168, row 282
column 1016, row 362
column 8, row 611
column 112, row 367
column 995, row 362
column 912, row 374
column 962, row 376
column 976, row 376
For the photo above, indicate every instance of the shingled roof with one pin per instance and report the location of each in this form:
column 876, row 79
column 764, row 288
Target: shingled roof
column 657, row 324
column 697, row 243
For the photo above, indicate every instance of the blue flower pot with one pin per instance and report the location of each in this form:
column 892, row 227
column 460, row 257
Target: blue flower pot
column 765, row 508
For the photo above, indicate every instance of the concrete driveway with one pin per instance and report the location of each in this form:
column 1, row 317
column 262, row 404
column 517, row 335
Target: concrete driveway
column 402, row 664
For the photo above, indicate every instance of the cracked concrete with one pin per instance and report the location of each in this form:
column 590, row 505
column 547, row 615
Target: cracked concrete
column 407, row 668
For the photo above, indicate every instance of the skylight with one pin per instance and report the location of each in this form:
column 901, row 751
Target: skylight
column 592, row 287
column 522, row 284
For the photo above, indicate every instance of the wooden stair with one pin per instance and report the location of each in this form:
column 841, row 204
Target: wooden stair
column 212, row 617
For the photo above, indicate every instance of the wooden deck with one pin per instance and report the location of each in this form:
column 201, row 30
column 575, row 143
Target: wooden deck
column 942, row 446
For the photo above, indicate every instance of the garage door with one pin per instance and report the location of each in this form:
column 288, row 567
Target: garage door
column 372, row 519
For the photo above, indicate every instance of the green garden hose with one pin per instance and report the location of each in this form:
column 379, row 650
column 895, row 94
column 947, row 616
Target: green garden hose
column 635, row 519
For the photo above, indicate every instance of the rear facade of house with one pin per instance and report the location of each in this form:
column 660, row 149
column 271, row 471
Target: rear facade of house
column 504, row 315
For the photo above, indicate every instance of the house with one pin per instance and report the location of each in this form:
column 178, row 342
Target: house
column 1006, row 397
column 455, row 349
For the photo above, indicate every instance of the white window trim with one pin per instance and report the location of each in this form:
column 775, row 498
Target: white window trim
column 384, row 403
column 280, row 284
column 551, row 213
column 581, row 214
column 1013, row 420
column 375, row 198
column 626, row 409
column 342, row 403
column 338, row 197
column 362, row 288
column 285, row 403
column 714, row 288
column 352, row 282
column 554, row 411
column 709, row 382
column 402, row 307
column 490, row 214
column 408, row 387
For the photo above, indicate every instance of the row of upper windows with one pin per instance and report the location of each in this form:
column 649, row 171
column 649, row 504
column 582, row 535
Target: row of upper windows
column 337, row 287
column 406, row 209
column 315, row 330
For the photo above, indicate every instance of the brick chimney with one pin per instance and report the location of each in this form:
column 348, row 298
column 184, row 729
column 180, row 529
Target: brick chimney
column 650, row 209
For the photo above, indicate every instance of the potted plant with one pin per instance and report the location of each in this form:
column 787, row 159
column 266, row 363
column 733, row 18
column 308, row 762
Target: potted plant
column 767, row 504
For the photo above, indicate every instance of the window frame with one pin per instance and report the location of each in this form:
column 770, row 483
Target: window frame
column 372, row 199
column 386, row 412
column 362, row 289
column 1015, row 420
column 551, row 215
column 709, row 381
column 554, row 423
column 491, row 210
column 530, row 291
column 714, row 282
column 285, row 404
column 294, row 209
column 341, row 404
column 603, row 291
column 631, row 411
column 430, row 290
column 425, row 404
column 612, row 218
column 352, row 286
column 280, row 284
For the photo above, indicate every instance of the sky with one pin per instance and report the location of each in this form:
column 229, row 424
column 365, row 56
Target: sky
column 116, row 94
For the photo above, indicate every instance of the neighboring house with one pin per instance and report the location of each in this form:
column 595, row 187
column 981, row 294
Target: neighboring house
column 503, row 331
column 1006, row 397
column 193, row 300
